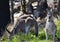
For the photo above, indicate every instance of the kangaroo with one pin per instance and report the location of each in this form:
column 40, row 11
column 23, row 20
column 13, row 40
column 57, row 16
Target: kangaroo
column 50, row 28
column 23, row 25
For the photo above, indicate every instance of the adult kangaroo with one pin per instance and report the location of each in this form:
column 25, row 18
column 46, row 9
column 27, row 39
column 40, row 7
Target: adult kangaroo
column 24, row 23
column 50, row 28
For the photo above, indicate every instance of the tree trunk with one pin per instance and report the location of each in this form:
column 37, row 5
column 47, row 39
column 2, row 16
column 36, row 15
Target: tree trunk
column 23, row 3
column 4, row 15
column 11, row 12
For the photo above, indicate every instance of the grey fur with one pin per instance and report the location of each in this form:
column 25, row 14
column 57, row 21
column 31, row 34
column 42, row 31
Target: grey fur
column 50, row 28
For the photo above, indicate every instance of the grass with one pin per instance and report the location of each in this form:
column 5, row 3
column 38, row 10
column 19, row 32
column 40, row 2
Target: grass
column 24, row 38
column 32, row 38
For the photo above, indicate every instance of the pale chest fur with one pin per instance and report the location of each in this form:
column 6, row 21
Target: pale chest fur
column 50, row 26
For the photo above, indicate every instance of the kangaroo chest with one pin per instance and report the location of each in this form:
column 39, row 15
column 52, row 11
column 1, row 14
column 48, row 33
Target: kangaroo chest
column 49, row 25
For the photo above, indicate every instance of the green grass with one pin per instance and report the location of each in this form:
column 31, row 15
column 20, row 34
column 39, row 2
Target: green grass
column 32, row 38
column 17, row 38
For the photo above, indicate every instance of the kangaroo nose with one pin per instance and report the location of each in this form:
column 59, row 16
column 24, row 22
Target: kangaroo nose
column 49, row 17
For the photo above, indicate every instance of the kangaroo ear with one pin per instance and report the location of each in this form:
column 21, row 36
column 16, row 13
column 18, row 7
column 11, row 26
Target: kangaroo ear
column 47, row 10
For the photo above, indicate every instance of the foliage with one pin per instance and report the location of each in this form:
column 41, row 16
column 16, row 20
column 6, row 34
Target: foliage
column 58, row 28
